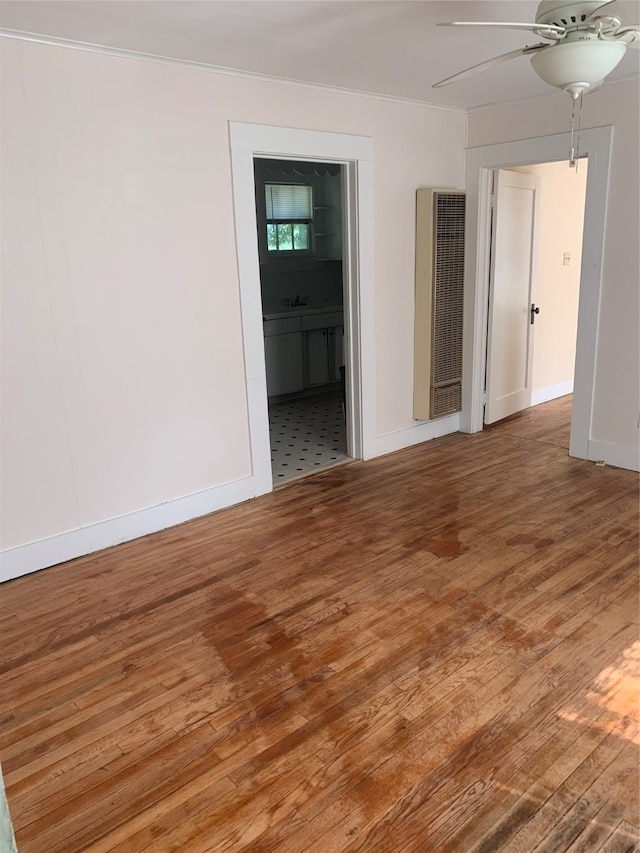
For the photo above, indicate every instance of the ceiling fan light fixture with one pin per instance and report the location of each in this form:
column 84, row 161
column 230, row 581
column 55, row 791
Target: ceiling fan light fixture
column 576, row 66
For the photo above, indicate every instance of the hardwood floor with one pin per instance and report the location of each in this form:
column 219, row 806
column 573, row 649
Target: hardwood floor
column 549, row 423
column 436, row 650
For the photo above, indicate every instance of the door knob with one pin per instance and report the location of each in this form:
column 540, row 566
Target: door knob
column 534, row 310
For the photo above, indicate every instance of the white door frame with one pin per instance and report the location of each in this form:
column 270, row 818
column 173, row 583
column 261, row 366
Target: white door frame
column 479, row 164
column 355, row 154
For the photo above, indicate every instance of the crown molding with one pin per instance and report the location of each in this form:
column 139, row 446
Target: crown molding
column 551, row 94
column 72, row 44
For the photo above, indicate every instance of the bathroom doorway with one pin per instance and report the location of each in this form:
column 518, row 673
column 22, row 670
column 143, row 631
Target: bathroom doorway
column 355, row 155
column 299, row 220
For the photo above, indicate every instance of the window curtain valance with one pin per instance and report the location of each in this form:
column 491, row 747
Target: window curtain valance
column 289, row 167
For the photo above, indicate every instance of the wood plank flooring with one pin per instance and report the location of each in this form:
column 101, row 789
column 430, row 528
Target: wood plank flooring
column 548, row 423
column 436, row 650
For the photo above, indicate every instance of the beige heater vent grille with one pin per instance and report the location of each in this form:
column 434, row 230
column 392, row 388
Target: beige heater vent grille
column 446, row 399
column 439, row 294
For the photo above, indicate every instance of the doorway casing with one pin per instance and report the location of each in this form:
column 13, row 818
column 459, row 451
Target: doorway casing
column 355, row 155
column 595, row 144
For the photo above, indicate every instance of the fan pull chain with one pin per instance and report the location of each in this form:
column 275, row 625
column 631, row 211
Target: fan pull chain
column 574, row 152
column 579, row 129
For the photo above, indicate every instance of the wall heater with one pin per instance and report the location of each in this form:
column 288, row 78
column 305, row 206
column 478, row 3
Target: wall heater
column 437, row 383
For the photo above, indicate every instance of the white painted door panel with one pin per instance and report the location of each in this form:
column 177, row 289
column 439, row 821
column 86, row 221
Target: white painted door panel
column 511, row 294
column 336, row 354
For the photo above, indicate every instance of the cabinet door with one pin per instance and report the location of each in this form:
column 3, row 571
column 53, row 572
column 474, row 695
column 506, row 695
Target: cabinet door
column 336, row 354
column 283, row 356
column 317, row 357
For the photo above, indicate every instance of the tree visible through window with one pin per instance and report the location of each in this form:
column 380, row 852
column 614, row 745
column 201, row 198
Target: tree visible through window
column 289, row 209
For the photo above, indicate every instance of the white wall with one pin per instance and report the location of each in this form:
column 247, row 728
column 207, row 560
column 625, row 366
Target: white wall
column 561, row 218
column 122, row 365
column 616, row 386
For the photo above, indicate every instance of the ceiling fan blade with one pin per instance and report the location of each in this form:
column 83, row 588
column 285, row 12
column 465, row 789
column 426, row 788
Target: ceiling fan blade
column 553, row 28
column 627, row 11
column 497, row 60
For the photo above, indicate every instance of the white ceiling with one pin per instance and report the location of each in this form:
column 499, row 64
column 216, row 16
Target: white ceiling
column 384, row 47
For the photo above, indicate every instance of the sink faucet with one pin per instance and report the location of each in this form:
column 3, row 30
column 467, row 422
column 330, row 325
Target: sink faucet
column 294, row 303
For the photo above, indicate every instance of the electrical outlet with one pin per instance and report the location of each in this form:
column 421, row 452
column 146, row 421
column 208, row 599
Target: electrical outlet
column 566, row 259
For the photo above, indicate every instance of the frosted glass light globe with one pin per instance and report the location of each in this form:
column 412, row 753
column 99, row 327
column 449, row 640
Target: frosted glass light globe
column 577, row 63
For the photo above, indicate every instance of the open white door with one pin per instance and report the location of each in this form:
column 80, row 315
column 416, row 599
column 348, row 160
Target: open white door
column 511, row 296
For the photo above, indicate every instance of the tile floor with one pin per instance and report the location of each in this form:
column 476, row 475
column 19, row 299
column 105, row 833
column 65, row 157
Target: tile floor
column 306, row 435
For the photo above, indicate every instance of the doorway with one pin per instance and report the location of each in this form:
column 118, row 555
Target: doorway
column 355, row 156
column 479, row 165
column 299, row 232
column 537, row 222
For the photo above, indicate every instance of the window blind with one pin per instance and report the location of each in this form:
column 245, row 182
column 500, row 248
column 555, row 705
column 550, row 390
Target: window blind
column 289, row 201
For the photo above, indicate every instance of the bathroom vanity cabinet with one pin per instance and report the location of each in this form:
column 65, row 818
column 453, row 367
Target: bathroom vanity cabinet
column 302, row 350
column 283, row 355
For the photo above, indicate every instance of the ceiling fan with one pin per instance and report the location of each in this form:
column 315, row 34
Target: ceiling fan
column 586, row 39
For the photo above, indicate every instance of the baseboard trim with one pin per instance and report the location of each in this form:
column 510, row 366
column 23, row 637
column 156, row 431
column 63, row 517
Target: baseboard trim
column 551, row 392
column 24, row 559
column 416, row 434
column 614, row 454
column 33, row 556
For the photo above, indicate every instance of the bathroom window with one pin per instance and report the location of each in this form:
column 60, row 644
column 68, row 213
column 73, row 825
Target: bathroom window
column 289, row 209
